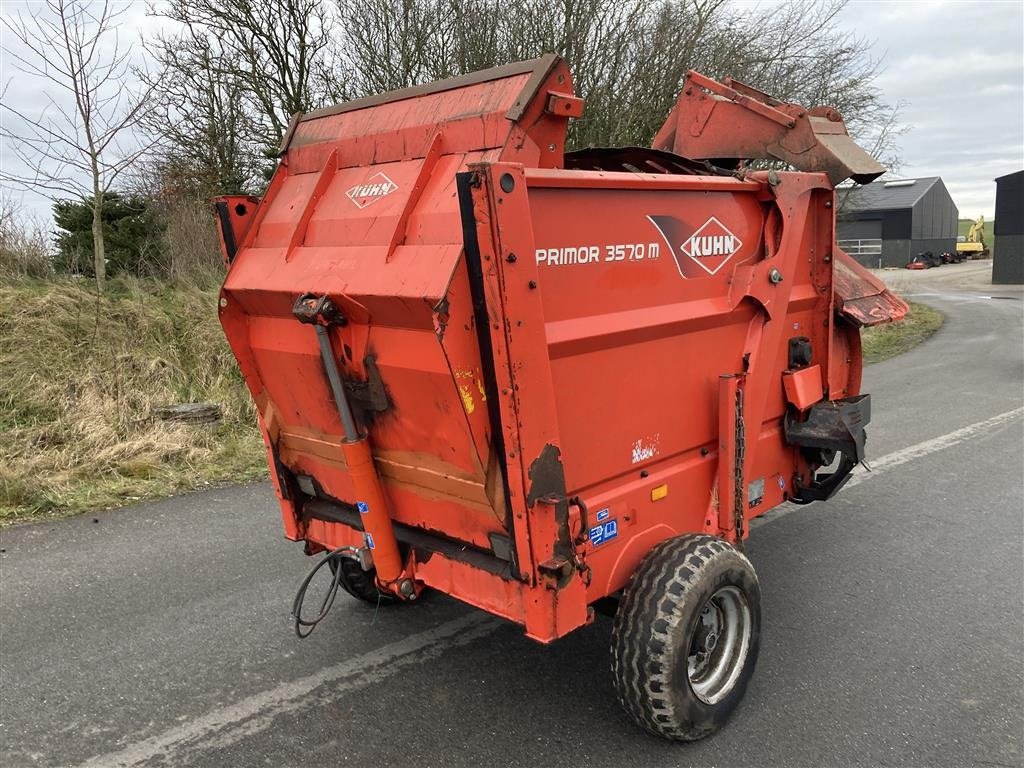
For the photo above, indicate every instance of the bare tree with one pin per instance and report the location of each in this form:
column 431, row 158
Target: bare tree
column 24, row 241
column 84, row 137
column 628, row 57
column 391, row 44
column 630, row 89
column 276, row 49
column 203, row 118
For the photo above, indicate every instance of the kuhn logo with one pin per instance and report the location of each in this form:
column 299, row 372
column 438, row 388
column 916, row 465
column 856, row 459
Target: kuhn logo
column 698, row 253
column 372, row 190
column 711, row 246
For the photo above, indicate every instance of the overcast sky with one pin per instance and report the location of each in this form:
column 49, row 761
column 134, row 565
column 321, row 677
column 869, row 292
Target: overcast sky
column 957, row 66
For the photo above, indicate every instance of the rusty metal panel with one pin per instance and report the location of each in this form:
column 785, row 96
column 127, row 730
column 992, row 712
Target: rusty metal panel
column 863, row 298
column 713, row 120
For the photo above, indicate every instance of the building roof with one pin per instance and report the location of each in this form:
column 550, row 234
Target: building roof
column 1008, row 175
column 889, row 194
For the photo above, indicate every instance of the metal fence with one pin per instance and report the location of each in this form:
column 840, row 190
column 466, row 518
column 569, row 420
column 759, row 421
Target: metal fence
column 865, row 251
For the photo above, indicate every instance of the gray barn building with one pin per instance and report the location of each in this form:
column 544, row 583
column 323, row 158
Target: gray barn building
column 1008, row 251
column 883, row 224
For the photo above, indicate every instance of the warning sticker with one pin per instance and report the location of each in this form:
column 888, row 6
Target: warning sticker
column 602, row 534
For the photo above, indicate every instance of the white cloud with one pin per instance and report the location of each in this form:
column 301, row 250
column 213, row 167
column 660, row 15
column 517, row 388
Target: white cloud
column 1002, row 89
column 960, row 69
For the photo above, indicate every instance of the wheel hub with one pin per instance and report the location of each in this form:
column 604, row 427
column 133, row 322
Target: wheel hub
column 720, row 644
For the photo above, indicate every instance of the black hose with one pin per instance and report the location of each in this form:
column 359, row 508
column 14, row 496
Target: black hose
column 304, row 627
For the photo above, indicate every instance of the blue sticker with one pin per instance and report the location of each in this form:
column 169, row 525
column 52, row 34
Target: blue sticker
column 611, row 530
column 369, row 540
column 363, row 507
column 603, row 514
column 602, row 534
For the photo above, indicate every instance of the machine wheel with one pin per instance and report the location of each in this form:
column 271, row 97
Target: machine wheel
column 686, row 637
column 361, row 584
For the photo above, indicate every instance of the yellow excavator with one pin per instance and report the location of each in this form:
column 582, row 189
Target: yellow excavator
column 973, row 246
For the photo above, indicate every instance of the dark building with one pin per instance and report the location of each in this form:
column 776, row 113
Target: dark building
column 883, row 224
column 1008, row 253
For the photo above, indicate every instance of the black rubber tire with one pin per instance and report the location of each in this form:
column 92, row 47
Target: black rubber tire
column 655, row 627
column 361, row 584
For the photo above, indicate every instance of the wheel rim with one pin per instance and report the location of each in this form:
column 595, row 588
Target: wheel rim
column 720, row 645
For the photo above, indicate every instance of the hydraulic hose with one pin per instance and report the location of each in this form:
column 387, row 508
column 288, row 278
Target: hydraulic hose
column 304, row 627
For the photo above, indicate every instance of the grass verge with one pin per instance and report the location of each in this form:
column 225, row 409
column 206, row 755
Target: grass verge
column 81, row 378
column 884, row 341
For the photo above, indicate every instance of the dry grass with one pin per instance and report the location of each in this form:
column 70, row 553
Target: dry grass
column 24, row 242
column 191, row 244
column 884, row 341
column 80, row 379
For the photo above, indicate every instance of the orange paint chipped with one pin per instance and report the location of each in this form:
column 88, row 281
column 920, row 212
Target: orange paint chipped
column 467, row 398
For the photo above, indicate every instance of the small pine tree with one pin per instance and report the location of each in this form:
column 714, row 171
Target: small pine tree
column 131, row 232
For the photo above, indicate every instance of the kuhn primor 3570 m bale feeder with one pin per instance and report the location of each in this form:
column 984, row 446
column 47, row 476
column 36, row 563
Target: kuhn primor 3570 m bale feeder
column 539, row 381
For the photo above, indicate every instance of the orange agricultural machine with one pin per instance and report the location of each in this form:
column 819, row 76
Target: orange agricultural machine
column 547, row 383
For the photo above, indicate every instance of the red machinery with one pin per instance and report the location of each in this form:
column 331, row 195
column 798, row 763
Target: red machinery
column 540, row 382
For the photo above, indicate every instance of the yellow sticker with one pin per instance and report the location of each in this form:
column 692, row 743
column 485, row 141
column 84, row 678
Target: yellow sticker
column 467, row 398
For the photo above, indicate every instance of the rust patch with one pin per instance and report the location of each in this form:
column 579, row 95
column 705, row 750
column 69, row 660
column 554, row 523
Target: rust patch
column 438, row 482
column 442, row 315
column 309, row 443
column 547, row 477
column 547, row 485
column 861, row 297
column 420, row 473
column 369, row 396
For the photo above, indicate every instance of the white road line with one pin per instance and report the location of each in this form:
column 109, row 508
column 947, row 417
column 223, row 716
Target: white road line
column 904, row 455
column 228, row 725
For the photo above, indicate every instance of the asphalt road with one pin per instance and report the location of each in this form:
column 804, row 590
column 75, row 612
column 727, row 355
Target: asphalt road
column 159, row 634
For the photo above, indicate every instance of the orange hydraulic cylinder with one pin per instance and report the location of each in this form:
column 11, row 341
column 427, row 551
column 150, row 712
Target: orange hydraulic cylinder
column 379, row 535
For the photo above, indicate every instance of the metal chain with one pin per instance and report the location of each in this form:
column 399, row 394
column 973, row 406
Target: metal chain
column 738, row 511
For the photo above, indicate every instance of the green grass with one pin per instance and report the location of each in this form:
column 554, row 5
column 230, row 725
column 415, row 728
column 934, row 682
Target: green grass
column 884, row 341
column 80, row 380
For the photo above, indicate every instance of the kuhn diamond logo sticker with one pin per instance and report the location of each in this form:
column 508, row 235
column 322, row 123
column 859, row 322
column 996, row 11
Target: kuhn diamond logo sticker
column 711, row 246
column 699, row 252
column 371, row 190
